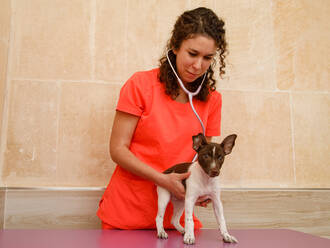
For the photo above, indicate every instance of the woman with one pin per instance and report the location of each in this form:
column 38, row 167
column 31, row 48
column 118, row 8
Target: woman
column 154, row 123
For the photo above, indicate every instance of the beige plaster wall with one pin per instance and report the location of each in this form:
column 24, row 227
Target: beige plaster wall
column 68, row 59
column 5, row 13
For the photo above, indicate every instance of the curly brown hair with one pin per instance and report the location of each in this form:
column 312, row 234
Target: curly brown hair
column 200, row 21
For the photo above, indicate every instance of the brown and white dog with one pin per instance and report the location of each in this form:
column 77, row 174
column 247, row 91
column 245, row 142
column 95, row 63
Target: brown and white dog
column 202, row 184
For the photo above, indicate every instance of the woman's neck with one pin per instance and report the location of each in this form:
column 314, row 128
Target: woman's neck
column 182, row 97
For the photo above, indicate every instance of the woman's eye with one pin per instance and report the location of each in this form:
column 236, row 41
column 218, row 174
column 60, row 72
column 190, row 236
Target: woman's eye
column 208, row 58
column 192, row 54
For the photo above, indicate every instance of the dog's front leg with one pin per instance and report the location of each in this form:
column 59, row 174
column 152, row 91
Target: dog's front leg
column 189, row 236
column 218, row 211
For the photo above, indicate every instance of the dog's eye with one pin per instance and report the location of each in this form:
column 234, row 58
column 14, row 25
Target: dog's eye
column 220, row 158
column 205, row 156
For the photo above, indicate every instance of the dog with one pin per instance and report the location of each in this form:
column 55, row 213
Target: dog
column 202, row 184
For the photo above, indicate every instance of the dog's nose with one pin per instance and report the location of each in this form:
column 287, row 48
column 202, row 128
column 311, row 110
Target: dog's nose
column 214, row 173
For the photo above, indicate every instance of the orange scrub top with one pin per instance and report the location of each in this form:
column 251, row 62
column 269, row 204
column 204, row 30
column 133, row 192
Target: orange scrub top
column 162, row 138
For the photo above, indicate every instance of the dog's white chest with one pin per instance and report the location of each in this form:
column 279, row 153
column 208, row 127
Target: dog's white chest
column 199, row 183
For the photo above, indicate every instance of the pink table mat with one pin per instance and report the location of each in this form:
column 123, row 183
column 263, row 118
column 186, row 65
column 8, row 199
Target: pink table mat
column 206, row 238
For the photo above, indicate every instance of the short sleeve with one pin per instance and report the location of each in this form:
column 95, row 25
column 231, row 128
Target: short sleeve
column 213, row 127
column 133, row 96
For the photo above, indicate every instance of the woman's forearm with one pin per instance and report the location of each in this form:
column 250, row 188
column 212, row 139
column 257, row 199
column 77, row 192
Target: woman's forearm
column 127, row 160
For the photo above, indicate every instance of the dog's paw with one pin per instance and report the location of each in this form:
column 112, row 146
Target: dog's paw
column 189, row 239
column 229, row 239
column 162, row 235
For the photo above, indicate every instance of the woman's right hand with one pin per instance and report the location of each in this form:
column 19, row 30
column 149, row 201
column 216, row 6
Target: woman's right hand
column 173, row 183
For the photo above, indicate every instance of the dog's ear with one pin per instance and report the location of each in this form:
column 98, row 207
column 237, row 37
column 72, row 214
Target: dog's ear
column 228, row 143
column 199, row 141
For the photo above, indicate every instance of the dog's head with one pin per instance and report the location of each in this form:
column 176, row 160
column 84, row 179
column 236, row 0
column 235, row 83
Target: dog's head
column 211, row 155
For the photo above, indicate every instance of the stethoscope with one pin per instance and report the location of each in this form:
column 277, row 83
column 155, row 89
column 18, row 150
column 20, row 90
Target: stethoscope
column 190, row 95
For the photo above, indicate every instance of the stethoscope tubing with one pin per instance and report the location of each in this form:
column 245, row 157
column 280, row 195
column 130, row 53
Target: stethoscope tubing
column 190, row 95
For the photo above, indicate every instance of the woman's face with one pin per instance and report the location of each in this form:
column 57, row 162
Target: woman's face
column 194, row 57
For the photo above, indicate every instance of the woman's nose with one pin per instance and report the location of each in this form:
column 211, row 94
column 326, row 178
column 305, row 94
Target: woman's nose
column 197, row 64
